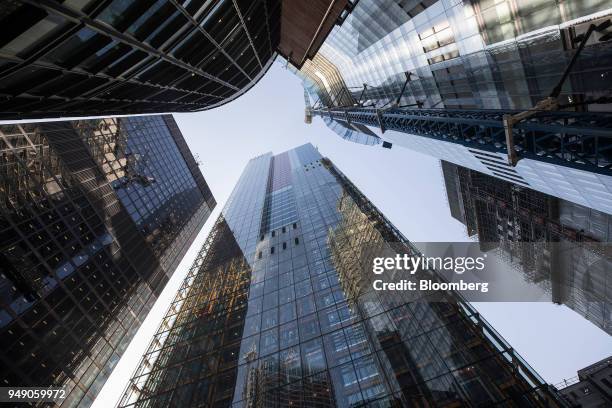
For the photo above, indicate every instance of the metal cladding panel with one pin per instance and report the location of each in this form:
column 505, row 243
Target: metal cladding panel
column 305, row 25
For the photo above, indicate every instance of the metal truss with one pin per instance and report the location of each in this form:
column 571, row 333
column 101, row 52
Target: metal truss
column 581, row 140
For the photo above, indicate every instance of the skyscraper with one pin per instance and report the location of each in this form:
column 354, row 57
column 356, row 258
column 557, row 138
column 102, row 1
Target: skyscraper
column 95, row 215
column 95, row 57
column 460, row 55
column 274, row 312
column 561, row 246
column 418, row 74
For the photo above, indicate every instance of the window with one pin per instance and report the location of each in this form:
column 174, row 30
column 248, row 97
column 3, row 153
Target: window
column 348, row 375
column 272, row 250
column 273, row 233
column 27, row 40
column 287, row 312
column 284, row 245
column 297, row 241
column 289, row 335
column 260, row 255
column 269, row 319
column 437, row 37
column 284, row 230
column 295, row 225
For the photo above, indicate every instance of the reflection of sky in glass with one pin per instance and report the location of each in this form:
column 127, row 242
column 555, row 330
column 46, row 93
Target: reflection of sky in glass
column 462, row 55
column 149, row 139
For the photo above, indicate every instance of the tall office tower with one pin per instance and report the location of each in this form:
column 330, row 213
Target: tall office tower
column 418, row 74
column 95, row 215
column 561, row 246
column 101, row 57
column 275, row 311
column 592, row 387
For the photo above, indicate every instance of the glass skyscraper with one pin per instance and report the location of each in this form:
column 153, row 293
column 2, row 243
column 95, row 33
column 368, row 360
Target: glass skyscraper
column 95, row 215
column 438, row 58
column 275, row 312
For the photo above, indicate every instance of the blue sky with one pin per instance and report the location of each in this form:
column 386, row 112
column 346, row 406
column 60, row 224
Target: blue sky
column 406, row 186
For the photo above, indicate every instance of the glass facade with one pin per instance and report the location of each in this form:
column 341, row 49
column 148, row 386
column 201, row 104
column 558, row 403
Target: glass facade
column 99, row 57
column 274, row 312
column 466, row 54
column 95, row 216
column 437, row 77
column 561, row 246
column 148, row 164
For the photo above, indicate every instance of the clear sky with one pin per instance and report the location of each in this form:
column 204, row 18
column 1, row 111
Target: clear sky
column 406, row 186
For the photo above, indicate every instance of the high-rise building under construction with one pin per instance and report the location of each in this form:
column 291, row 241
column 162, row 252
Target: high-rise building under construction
column 559, row 245
column 458, row 80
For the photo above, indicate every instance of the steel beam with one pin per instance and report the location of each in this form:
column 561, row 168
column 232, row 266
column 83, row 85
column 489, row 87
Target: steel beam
column 581, row 140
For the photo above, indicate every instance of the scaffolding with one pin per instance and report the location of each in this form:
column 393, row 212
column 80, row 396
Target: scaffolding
column 524, row 229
